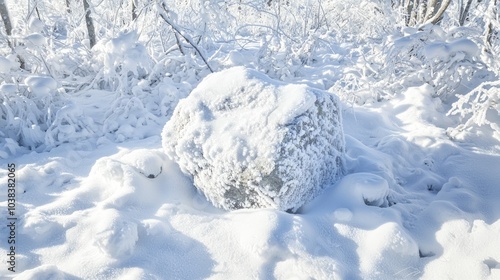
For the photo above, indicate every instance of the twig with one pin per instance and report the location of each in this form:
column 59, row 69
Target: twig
column 178, row 31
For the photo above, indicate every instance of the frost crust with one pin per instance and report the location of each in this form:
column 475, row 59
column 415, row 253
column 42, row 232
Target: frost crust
column 252, row 142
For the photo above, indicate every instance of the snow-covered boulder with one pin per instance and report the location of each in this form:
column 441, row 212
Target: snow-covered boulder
column 252, row 142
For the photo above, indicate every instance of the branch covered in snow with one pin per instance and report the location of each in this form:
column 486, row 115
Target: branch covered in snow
column 164, row 15
column 479, row 107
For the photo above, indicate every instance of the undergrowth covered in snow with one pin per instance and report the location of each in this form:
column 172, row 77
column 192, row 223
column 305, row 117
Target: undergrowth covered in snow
column 97, row 198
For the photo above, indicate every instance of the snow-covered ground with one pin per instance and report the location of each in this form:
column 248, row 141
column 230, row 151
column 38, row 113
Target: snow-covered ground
column 98, row 197
column 413, row 205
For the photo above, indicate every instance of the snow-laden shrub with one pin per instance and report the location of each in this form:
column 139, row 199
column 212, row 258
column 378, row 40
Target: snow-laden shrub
column 283, row 59
column 479, row 107
column 70, row 125
column 431, row 56
column 277, row 58
column 129, row 119
column 444, row 60
column 252, row 142
column 121, row 62
column 451, row 63
column 288, row 34
column 8, row 146
column 170, row 93
column 27, row 110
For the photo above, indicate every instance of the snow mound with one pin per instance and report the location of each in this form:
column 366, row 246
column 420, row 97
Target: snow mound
column 470, row 245
column 115, row 235
column 443, row 50
column 5, row 65
column 36, row 25
column 147, row 162
column 39, row 226
column 125, row 184
column 47, row 271
column 7, row 87
column 40, row 84
column 373, row 189
column 252, row 142
column 385, row 250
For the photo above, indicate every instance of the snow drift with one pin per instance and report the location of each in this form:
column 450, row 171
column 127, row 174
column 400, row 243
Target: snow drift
column 252, row 142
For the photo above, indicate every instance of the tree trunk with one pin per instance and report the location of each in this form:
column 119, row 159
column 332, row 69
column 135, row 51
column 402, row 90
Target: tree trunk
column 68, row 6
column 4, row 13
column 134, row 10
column 424, row 11
column 489, row 32
column 5, row 18
column 408, row 8
column 464, row 12
column 90, row 23
column 436, row 18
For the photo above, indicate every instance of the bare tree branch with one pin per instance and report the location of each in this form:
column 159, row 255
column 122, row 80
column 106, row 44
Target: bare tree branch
column 163, row 13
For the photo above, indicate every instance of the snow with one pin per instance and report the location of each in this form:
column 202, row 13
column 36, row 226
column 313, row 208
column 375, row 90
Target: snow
column 43, row 272
column 122, row 54
column 8, row 88
column 114, row 235
column 97, row 197
column 40, row 84
column 251, row 142
column 444, row 50
column 69, row 125
column 382, row 220
column 129, row 119
column 5, row 65
column 35, row 40
column 35, row 25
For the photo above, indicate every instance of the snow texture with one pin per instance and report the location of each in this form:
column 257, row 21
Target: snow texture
column 35, row 40
column 48, row 271
column 251, row 142
column 147, row 163
column 444, row 50
column 5, row 65
column 40, row 84
column 115, row 235
column 98, row 198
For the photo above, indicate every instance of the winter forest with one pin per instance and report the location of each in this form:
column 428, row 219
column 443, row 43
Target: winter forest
column 237, row 139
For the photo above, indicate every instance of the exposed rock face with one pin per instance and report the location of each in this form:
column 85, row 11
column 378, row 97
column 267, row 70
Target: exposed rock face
column 252, row 142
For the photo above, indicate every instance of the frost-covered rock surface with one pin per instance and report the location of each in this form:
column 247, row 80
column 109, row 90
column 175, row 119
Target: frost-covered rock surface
column 252, row 142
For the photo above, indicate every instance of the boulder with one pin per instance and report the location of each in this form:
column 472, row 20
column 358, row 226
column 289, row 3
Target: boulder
column 252, row 142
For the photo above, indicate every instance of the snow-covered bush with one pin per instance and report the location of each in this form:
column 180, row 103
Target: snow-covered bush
column 121, row 62
column 70, row 125
column 443, row 59
column 129, row 120
column 479, row 107
column 252, row 142
column 27, row 109
column 434, row 57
